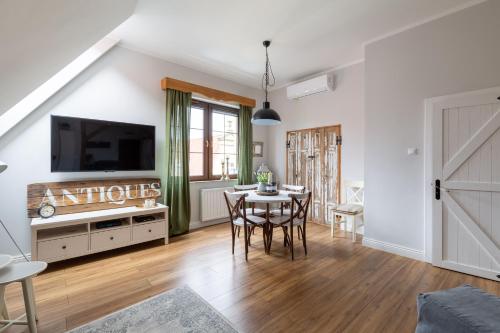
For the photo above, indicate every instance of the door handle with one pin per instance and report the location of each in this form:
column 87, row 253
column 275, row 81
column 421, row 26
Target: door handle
column 437, row 186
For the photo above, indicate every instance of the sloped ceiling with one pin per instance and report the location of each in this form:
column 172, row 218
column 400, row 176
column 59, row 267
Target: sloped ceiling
column 224, row 37
column 38, row 38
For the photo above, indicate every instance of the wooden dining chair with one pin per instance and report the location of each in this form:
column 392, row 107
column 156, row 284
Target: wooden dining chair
column 285, row 207
column 294, row 188
column 298, row 217
column 239, row 218
column 252, row 210
column 351, row 208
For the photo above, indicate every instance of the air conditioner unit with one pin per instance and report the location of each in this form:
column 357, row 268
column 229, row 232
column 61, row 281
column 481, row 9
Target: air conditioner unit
column 313, row 86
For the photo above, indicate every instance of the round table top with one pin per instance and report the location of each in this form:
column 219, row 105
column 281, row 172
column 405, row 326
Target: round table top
column 5, row 259
column 254, row 197
column 19, row 271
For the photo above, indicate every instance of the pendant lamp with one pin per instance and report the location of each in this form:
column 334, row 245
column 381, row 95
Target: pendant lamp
column 3, row 166
column 267, row 116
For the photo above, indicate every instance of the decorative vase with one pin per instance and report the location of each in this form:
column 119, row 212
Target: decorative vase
column 262, row 187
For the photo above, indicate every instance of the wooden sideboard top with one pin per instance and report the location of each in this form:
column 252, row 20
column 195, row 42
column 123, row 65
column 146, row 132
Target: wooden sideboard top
column 96, row 215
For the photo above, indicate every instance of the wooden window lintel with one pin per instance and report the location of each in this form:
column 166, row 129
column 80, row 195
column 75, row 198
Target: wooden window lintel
column 219, row 95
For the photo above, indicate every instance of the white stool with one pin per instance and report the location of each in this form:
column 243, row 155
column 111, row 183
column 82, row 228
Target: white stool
column 20, row 272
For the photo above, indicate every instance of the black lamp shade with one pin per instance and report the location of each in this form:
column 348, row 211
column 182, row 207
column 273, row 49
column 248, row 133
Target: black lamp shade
column 266, row 116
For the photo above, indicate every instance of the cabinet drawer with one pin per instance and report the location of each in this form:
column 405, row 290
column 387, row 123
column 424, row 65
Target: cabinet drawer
column 61, row 248
column 147, row 231
column 105, row 240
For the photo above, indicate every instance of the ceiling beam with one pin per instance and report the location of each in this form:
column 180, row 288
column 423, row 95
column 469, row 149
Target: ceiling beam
column 218, row 95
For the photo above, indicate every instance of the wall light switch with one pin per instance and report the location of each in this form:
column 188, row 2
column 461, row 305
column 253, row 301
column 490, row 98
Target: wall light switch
column 412, row 151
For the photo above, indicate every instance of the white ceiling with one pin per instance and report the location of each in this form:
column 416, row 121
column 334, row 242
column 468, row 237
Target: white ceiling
column 224, row 37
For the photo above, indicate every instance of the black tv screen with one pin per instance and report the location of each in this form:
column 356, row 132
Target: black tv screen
column 94, row 145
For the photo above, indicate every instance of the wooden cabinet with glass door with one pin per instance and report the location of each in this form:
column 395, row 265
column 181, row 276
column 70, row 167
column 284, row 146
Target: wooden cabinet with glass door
column 313, row 160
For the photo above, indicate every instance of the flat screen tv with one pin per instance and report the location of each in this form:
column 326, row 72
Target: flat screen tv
column 94, row 145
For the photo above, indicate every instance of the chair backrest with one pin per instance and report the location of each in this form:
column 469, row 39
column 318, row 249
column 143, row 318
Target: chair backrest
column 300, row 205
column 354, row 192
column 294, row 188
column 238, row 188
column 236, row 205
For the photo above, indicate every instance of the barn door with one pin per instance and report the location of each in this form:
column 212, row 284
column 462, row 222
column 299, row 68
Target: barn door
column 316, row 187
column 313, row 160
column 331, row 174
column 466, row 172
column 291, row 158
column 304, row 162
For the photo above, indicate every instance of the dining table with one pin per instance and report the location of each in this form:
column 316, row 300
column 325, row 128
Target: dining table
column 268, row 200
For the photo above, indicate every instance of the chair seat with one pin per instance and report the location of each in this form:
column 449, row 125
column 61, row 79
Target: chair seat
column 255, row 219
column 255, row 211
column 277, row 212
column 349, row 209
column 277, row 220
column 20, row 271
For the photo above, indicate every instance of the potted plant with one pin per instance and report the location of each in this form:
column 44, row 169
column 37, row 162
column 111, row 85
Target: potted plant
column 262, row 178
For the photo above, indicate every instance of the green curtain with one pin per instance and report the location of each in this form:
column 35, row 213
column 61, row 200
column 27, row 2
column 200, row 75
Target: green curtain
column 245, row 153
column 176, row 177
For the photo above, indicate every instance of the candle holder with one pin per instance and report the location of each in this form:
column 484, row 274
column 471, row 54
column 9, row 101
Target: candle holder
column 227, row 169
column 222, row 177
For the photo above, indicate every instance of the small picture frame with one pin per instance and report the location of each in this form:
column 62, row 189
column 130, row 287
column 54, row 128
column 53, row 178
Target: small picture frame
column 258, row 149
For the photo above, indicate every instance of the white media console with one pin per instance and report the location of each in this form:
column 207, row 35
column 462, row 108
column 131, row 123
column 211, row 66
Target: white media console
column 72, row 235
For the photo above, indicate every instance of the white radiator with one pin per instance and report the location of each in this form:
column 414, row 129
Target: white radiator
column 213, row 204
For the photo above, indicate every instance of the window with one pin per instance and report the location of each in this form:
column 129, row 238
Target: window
column 213, row 139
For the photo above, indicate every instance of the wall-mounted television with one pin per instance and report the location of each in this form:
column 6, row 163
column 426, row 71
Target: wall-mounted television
column 79, row 144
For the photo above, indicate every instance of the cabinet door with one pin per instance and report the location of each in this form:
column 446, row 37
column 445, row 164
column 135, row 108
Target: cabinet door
column 331, row 172
column 316, row 164
column 313, row 160
column 291, row 159
column 304, row 163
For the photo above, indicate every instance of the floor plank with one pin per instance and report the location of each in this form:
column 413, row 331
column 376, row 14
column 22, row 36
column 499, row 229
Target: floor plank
column 338, row 287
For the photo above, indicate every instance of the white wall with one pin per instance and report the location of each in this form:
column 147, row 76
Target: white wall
column 342, row 106
column 122, row 86
column 39, row 38
column 457, row 53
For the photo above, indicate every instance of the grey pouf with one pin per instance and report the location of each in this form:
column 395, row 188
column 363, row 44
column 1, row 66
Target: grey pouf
column 458, row 310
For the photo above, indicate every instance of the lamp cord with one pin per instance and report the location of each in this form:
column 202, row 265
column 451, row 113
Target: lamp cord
column 14, row 241
column 265, row 77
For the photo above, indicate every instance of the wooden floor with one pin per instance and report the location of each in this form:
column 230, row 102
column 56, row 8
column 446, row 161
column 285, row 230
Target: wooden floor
column 338, row 287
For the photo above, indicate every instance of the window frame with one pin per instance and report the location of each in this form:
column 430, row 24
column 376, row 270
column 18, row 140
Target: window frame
column 208, row 109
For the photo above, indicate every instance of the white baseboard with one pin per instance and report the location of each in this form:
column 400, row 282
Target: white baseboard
column 198, row 224
column 20, row 258
column 394, row 248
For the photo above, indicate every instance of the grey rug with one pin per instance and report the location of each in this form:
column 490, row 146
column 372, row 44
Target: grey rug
column 177, row 310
